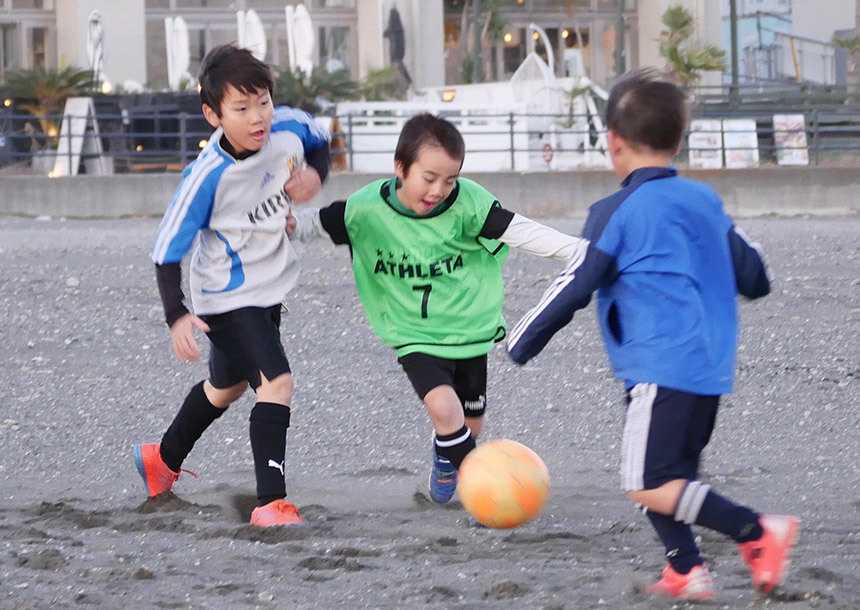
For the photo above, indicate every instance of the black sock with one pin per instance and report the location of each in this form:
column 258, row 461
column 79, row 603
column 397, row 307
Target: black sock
column 454, row 447
column 677, row 538
column 268, row 431
column 703, row 506
column 195, row 415
column 736, row 521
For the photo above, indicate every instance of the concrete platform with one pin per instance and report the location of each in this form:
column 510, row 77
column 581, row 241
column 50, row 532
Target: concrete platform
column 746, row 192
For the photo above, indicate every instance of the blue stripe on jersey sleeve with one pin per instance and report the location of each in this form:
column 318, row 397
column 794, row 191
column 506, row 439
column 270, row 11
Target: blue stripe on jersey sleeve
column 190, row 209
column 312, row 134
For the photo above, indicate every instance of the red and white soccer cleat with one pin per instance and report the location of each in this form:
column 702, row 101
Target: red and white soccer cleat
column 769, row 557
column 695, row 585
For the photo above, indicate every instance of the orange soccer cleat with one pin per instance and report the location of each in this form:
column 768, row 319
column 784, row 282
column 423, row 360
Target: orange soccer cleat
column 278, row 512
column 695, row 585
column 157, row 476
column 769, row 557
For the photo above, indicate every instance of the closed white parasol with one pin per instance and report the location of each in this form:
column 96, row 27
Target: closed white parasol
column 96, row 46
column 178, row 51
column 300, row 39
column 251, row 34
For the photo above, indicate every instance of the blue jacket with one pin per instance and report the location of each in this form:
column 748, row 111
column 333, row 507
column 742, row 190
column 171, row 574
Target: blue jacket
column 666, row 262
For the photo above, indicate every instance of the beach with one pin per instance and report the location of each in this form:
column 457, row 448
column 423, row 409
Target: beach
column 89, row 372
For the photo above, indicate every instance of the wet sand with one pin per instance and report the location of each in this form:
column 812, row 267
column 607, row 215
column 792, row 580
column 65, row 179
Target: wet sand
column 88, row 372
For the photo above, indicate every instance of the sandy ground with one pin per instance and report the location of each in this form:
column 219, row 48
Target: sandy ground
column 88, row 371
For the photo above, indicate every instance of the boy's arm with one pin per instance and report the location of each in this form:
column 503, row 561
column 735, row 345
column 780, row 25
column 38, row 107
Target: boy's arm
column 320, row 160
column 587, row 269
column 528, row 235
column 305, row 182
column 311, row 223
column 750, row 270
column 181, row 321
column 187, row 213
column 169, row 278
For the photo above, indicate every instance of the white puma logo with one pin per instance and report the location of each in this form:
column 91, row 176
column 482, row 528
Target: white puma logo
column 274, row 464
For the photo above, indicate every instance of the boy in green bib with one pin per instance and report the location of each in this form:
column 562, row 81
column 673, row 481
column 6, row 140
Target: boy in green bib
column 427, row 251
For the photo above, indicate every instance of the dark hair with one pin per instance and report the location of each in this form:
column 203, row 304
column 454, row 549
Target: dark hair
column 227, row 65
column 647, row 110
column 428, row 129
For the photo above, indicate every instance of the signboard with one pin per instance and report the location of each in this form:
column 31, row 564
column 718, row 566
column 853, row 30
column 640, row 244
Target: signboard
column 740, row 143
column 79, row 140
column 706, row 144
column 789, row 138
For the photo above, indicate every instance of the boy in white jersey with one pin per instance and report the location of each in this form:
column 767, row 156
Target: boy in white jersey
column 235, row 198
column 427, row 249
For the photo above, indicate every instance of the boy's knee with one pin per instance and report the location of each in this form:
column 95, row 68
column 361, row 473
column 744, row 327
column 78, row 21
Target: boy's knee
column 224, row 397
column 661, row 499
column 278, row 390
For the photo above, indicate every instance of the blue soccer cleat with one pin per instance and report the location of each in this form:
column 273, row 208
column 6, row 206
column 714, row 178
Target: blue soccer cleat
column 443, row 478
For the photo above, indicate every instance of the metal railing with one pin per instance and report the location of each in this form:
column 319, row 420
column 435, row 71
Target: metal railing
column 163, row 142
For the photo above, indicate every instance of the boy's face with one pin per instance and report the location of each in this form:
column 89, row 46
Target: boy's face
column 429, row 180
column 245, row 117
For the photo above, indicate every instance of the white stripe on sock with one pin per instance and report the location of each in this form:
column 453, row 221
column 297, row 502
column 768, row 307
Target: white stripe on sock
column 691, row 501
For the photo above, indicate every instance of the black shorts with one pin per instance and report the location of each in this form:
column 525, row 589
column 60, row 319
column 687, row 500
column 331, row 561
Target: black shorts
column 467, row 377
column 245, row 341
column 665, row 432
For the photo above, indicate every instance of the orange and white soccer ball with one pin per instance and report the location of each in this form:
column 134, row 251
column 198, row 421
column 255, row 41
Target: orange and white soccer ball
column 503, row 484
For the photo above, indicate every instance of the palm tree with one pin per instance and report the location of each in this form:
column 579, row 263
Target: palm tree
column 312, row 92
column 42, row 91
column 686, row 61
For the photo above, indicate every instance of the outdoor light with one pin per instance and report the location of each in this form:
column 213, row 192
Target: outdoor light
column 52, row 131
column 565, row 33
column 201, row 144
column 107, row 87
column 7, row 102
column 139, row 147
column 508, row 37
column 535, row 35
column 448, row 95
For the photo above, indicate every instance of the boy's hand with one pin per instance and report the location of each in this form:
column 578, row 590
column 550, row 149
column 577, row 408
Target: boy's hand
column 303, row 184
column 182, row 332
column 290, row 224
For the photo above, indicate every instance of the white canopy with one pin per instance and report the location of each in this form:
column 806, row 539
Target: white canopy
column 178, row 51
column 300, row 39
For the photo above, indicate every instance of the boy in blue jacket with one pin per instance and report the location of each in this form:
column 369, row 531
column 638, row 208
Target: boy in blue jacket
column 667, row 263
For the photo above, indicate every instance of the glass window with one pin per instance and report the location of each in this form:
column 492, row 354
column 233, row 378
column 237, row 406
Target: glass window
column 334, row 48
column 8, row 47
column 257, row 5
column 38, row 54
column 156, row 56
column 335, row 3
column 150, row 4
column 231, row 4
column 28, row 4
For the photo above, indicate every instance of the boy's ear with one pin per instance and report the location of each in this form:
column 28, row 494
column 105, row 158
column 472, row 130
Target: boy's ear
column 211, row 116
column 398, row 169
column 615, row 142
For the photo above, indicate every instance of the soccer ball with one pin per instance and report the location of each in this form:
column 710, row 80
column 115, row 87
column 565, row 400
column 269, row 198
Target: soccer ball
column 503, row 484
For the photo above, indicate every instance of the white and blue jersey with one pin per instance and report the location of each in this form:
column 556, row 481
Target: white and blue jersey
column 237, row 208
column 667, row 264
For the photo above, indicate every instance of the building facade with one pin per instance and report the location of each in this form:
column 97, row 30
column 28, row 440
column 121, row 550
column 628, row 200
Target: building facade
column 582, row 35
